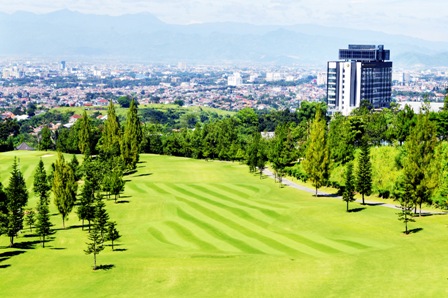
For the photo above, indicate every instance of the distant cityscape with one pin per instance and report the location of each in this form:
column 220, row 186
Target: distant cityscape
column 49, row 84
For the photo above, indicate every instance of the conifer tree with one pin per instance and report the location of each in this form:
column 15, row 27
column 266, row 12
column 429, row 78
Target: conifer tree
column 64, row 187
column 364, row 172
column 403, row 193
column 43, row 223
column 112, row 233
column 316, row 163
column 85, row 135
column 95, row 244
column 101, row 217
column 41, row 184
column 30, row 218
column 132, row 138
column 111, row 136
column 42, row 189
column 349, row 189
column 3, row 210
column 17, row 198
column 420, row 146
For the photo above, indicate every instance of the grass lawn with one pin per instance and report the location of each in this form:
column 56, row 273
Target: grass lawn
column 192, row 228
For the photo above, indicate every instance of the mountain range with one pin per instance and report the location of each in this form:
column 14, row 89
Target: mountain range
column 144, row 38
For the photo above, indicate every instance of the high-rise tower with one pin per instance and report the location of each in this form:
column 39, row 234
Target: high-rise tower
column 362, row 75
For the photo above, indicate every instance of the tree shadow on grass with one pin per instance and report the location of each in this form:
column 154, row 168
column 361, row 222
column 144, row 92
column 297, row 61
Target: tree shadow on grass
column 120, row 249
column 328, row 195
column 416, row 230
column 374, row 204
column 68, row 228
column 122, row 202
column 57, row 248
column 130, row 172
column 26, row 244
column 354, row 210
column 7, row 255
column 143, row 175
column 4, row 266
column 105, row 267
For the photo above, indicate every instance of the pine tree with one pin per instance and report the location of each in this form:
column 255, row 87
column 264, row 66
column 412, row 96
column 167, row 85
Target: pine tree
column 132, row 138
column 43, row 223
column 316, row 163
column 3, row 210
column 30, row 218
column 95, row 245
column 17, row 198
column 64, row 187
column 101, row 217
column 403, row 193
column 112, row 233
column 41, row 185
column 86, row 208
column 349, row 190
column 364, row 172
column 116, row 183
column 42, row 189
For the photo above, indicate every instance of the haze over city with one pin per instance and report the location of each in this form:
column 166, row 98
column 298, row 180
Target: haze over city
column 415, row 18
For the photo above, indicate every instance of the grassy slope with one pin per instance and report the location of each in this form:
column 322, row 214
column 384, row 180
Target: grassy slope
column 197, row 228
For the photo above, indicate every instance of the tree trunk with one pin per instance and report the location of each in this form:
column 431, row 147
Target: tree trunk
column 363, row 199
column 347, row 206
column 316, row 191
column 94, row 260
column 420, row 212
column 43, row 241
column 63, row 221
column 83, row 224
column 11, row 241
column 112, row 245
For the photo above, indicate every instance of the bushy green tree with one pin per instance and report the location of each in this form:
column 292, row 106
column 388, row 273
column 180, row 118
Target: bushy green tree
column 316, row 163
column 111, row 136
column 45, row 139
column 418, row 169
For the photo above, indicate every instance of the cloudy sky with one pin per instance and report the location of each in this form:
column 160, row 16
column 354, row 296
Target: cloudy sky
column 427, row 19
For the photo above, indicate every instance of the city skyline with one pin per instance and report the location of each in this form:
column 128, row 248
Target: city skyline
column 415, row 18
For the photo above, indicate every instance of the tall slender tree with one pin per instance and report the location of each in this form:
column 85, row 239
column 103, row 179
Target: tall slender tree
column 403, row 193
column 64, row 187
column 316, row 163
column 364, row 171
column 17, row 198
column 349, row 189
column 132, row 138
column 85, row 135
column 111, row 136
column 45, row 139
column 112, row 233
column 42, row 189
column 420, row 146
column 95, row 244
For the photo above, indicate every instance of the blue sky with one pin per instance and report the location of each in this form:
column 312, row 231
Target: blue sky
column 427, row 19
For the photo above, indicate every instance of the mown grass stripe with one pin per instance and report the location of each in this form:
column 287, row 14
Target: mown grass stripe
column 232, row 189
column 160, row 236
column 291, row 249
column 246, row 203
column 157, row 188
column 352, row 244
column 219, row 233
column 188, row 236
column 238, row 211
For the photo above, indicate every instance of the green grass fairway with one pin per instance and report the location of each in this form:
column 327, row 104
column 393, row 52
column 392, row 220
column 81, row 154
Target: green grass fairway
column 193, row 228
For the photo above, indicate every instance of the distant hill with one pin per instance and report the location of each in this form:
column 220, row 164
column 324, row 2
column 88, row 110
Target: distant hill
column 143, row 37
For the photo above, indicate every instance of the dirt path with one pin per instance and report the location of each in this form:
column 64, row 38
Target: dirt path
column 332, row 196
